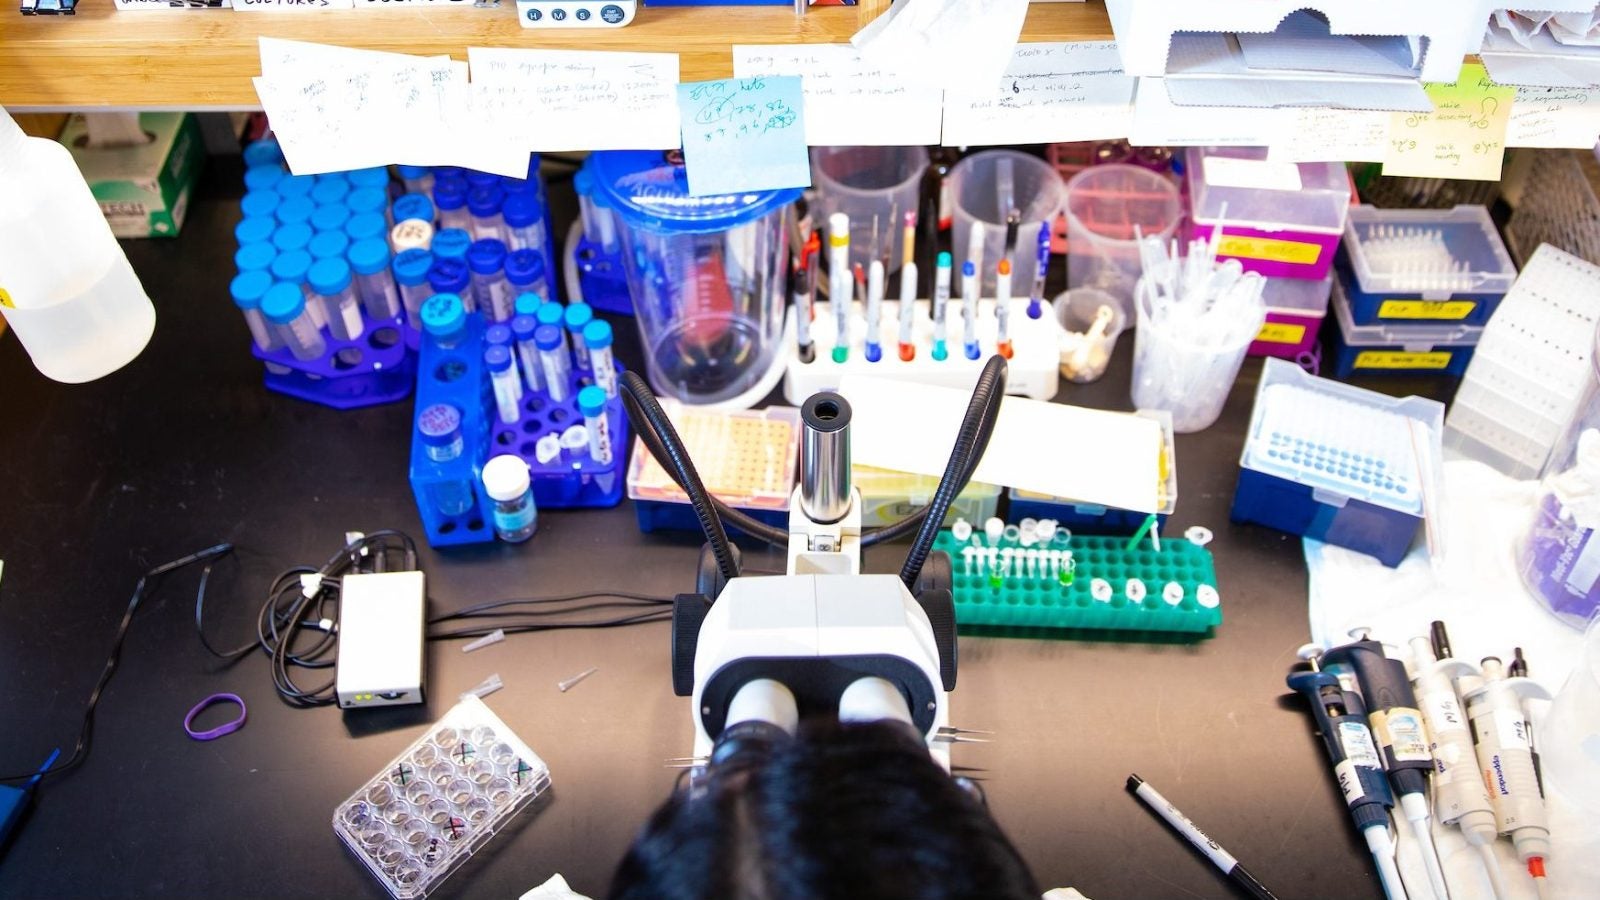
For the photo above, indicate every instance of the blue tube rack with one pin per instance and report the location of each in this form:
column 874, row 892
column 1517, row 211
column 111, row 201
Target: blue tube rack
column 375, row 368
column 564, row 483
column 600, row 275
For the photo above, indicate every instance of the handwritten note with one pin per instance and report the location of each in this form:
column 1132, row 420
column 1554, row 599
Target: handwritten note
column 1328, row 135
column 579, row 100
column 944, row 43
column 743, row 134
column 1157, row 122
column 1554, row 117
column 1464, row 136
column 848, row 101
column 1050, row 92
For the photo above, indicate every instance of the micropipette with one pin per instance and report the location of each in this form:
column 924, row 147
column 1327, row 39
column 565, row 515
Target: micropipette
column 802, row 315
column 1397, row 724
column 1505, row 757
column 1002, row 308
column 839, row 282
column 1036, row 298
column 1342, row 723
column 941, row 300
column 969, row 308
column 874, row 309
column 1459, row 795
column 908, row 309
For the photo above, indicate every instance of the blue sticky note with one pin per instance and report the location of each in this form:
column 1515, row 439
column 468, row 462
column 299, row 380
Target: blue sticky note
column 743, row 134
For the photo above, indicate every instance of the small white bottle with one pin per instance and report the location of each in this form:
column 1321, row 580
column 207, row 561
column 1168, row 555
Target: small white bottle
column 506, row 481
column 66, row 287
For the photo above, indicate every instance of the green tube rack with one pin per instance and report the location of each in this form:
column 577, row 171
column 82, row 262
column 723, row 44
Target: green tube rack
column 1042, row 601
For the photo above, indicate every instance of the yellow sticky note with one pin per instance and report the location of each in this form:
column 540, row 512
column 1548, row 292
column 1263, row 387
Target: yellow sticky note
column 1464, row 136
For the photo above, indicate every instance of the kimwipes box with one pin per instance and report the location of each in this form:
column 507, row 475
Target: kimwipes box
column 143, row 187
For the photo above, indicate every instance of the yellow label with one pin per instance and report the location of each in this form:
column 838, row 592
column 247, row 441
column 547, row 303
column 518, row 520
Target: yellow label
column 1394, row 359
column 5, row 299
column 1281, row 333
column 1426, row 309
column 1297, row 253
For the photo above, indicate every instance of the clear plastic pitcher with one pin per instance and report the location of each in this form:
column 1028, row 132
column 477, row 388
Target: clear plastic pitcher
column 1104, row 205
column 706, row 276
column 869, row 184
column 986, row 187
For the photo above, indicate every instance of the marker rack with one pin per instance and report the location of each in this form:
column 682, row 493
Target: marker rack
column 1112, row 588
column 433, row 806
column 601, row 278
column 457, row 376
column 1034, row 365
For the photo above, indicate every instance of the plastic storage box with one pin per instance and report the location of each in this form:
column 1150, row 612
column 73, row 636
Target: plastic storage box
column 1089, row 518
column 747, row 459
column 1338, row 463
column 888, row 496
column 1296, row 308
column 1424, row 265
column 1281, row 219
column 1439, row 348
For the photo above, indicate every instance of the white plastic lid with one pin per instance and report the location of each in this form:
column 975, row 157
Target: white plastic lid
column 505, row 477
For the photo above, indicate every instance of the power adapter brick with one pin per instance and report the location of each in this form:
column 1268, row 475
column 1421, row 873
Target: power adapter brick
column 382, row 620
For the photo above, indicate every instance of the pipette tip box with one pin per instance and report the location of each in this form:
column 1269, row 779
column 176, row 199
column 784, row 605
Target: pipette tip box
column 1089, row 518
column 1423, row 265
column 1399, row 348
column 1280, row 219
column 747, row 459
column 887, row 496
column 1338, row 463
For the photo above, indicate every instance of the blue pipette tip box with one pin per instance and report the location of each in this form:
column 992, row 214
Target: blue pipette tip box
column 1338, row 463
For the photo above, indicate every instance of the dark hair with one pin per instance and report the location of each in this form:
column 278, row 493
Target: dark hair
column 855, row 811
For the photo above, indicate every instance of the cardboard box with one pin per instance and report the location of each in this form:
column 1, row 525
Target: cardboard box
column 143, row 190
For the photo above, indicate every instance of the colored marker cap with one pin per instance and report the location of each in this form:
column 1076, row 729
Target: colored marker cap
column 366, row 225
column 330, row 217
column 497, row 357
column 367, row 199
column 524, row 267
column 295, row 185
column 449, row 194
column 451, row 243
column 264, row 152
column 254, row 229
column 253, row 257
column 294, row 210
column 523, row 326
column 967, row 268
column 597, row 334
column 282, row 303
column 443, row 315
column 553, row 314
column 375, row 177
column 591, row 401
column 369, row 256
column 528, row 303
column 328, row 245
column 292, row 237
column 411, row 266
column 261, row 178
column 332, row 190
column 520, row 210
column 497, row 333
column 944, row 259
column 576, row 316
column 247, row 288
column 449, row 276
column 485, row 201
column 329, row 276
column 411, row 173
column 414, row 206
column 487, row 256
column 291, row 266
column 547, row 337
column 439, row 424
column 260, row 203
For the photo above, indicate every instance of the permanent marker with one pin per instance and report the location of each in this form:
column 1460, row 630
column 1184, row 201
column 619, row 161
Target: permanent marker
column 839, row 287
column 1213, row 850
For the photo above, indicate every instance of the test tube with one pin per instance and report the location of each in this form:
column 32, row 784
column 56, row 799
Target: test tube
column 439, row 425
column 528, row 303
column 330, row 192
column 969, row 308
column 292, row 237
column 450, row 199
column 445, row 320
column 592, row 403
column 576, row 317
column 263, row 178
column 295, row 185
column 294, row 210
column 257, row 257
column 450, row 276
column 486, row 258
column 369, row 200
column 483, row 203
column 479, row 179
column 524, row 222
column 597, row 337
column 331, row 217
column 374, row 282
column 554, row 361
column 247, row 289
column 413, row 207
column 254, row 229
column 504, row 380
column 525, row 272
column 284, row 306
column 522, row 329
column 260, row 204
column 941, row 303
column 410, row 269
column 366, row 225
column 417, row 179
column 451, row 243
column 263, row 152
column 498, row 333
column 292, row 267
column 411, row 234
column 331, row 279
column 328, row 245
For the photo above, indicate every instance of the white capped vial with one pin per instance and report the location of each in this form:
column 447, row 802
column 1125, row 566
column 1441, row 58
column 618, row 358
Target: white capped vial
column 284, row 306
column 409, row 234
column 503, row 378
column 331, row 280
column 592, row 403
column 597, row 337
column 961, row 530
column 369, row 258
column 506, row 481
column 993, row 528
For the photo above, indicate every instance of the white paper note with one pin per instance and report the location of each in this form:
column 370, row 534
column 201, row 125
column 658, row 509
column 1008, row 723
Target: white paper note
column 1554, row 117
column 1096, row 456
column 948, row 44
column 1328, row 135
column 848, row 101
column 289, row 6
column 579, row 100
column 1157, row 121
column 1050, row 92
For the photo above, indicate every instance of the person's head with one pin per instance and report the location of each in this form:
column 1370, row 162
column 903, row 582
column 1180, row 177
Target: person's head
column 855, row 811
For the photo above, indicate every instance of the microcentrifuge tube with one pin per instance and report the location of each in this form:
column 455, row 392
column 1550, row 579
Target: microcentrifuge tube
column 961, row 530
column 993, row 529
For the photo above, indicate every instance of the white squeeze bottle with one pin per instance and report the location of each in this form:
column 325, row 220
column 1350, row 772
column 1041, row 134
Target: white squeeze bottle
column 65, row 286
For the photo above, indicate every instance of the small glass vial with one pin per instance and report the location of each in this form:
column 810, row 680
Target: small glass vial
column 450, row 276
column 247, row 289
column 444, row 320
column 506, row 481
column 410, row 269
column 417, row 179
column 483, row 203
column 329, row 245
column 554, row 361
column 592, row 404
column 413, row 208
column 374, row 282
column 292, row 237
column 597, row 337
column 332, row 217
column 285, row 307
column 486, row 258
column 255, row 257
column 363, row 226
column 576, row 316
column 451, row 243
column 522, row 329
column 450, row 199
column 503, row 378
column 525, row 273
column 524, row 222
column 439, row 426
column 331, row 279
column 411, row 234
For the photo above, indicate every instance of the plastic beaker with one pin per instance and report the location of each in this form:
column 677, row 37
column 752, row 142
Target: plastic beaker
column 1090, row 321
column 986, row 187
column 869, row 184
column 1103, row 205
column 705, row 274
column 1184, row 371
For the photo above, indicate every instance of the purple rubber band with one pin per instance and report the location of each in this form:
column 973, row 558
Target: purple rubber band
column 220, row 730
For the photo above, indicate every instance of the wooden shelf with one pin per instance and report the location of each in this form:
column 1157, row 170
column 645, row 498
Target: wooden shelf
column 204, row 59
